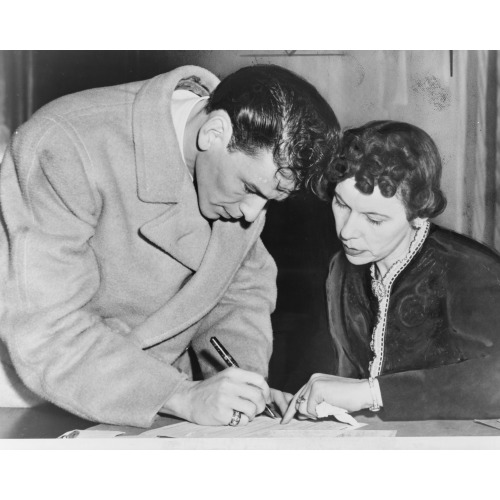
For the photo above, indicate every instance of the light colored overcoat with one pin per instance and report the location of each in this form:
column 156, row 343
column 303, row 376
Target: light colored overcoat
column 110, row 272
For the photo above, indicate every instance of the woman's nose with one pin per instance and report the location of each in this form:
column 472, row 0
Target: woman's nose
column 349, row 228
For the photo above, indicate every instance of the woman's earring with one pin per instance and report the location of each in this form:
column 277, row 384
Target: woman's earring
column 417, row 223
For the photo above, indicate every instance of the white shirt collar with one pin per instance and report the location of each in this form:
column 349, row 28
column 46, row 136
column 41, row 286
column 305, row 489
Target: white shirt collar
column 183, row 101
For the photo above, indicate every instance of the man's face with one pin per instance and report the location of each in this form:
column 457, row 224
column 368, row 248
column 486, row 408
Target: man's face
column 233, row 185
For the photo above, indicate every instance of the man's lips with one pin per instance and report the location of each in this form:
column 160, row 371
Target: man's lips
column 227, row 215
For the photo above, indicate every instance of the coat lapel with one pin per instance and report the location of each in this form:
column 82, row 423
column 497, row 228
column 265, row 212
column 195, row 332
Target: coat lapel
column 228, row 246
column 181, row 231
column 214, row 253
column 162, row 177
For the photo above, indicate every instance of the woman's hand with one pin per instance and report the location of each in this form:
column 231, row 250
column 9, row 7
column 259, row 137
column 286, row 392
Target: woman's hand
column 348, row 393
column 281, row 399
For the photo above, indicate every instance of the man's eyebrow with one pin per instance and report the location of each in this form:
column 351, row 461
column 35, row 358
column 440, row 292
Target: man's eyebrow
column 284, row 192
column 255, row 190
column 269, row 196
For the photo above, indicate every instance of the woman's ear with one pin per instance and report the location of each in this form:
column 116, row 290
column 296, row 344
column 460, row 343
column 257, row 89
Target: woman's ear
column 215, row 131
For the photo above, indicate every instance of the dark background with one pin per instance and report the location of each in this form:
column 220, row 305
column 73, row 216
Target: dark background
column 299, row 232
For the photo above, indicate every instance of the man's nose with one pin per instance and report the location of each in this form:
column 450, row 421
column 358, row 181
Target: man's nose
column 252, row 208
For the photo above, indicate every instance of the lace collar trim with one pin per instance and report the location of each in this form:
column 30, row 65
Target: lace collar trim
column 382, row 291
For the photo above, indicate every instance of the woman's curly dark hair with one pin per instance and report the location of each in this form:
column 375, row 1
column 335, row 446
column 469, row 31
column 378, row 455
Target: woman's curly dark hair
column 397, row 157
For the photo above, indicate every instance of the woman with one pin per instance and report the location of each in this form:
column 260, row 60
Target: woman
column 413, row 309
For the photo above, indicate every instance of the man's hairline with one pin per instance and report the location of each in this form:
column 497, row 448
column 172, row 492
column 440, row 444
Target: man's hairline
column 256, row 153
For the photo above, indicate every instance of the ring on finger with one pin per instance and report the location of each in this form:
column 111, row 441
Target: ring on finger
column 300, row 400
column 235, row 419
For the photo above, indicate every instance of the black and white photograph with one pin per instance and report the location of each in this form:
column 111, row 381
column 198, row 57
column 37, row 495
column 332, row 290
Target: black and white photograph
column 250, row 250
column 222, row 238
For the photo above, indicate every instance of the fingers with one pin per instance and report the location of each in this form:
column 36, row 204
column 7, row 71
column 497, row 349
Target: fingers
column 301, row 403
column 243, row 419
column 304, row 405
column 250, row 378
column 238, row 394
column 310, row 407
column 301, row 417
column 316, row 396
column 253, row 395
column 213, row 401
column 281, row 400
column 291, row 410
column 245, row 406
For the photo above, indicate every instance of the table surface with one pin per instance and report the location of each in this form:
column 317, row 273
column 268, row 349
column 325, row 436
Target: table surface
column 49, row 421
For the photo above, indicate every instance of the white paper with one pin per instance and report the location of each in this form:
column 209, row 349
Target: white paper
column 325, row 409
column 89, row 434
column 490, row 423
column 259, row 427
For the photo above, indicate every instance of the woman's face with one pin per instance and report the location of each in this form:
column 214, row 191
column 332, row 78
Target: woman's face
column 372, row 228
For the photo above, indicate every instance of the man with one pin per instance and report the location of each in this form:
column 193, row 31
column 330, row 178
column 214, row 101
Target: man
column 132, row 217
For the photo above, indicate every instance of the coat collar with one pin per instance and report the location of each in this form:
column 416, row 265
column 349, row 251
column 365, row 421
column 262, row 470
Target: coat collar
column 214, row 253
column 160, row 169
column 162, row 176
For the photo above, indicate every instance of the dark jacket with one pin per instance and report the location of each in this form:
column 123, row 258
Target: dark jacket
column 442, row 342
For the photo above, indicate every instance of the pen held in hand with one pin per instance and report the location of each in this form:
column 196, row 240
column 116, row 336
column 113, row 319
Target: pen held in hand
column 230, row 361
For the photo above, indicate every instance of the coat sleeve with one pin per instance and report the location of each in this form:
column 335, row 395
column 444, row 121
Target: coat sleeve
column 469, row 388
column 62, row 350
column 461, row 391
column 242, row 318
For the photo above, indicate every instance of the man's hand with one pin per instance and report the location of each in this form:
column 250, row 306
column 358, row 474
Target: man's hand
column 212, row 401
column 348, row 393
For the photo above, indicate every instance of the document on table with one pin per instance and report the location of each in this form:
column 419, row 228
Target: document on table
column 90, row 434
column 490, row 423
column 259, row 427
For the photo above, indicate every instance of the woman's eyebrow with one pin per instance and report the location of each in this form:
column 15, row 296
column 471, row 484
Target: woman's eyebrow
column 378, row 214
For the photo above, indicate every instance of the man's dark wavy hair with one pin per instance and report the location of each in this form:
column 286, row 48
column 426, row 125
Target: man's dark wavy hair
column 273, row 109
column 397, row 157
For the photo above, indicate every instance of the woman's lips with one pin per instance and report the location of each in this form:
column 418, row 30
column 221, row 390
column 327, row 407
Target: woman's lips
column 352, row 251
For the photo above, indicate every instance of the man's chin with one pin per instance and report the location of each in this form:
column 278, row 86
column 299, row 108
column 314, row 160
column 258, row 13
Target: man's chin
column 210, row 214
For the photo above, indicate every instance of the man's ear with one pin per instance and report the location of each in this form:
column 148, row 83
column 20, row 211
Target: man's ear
column 216, row 130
